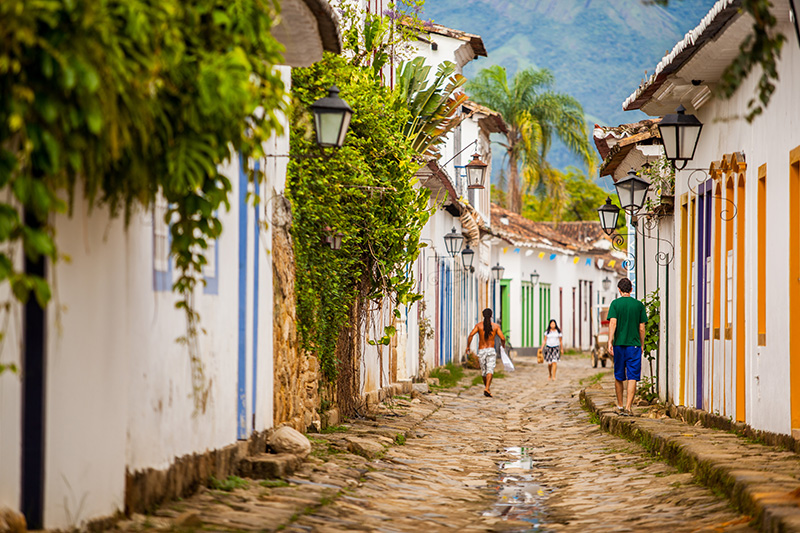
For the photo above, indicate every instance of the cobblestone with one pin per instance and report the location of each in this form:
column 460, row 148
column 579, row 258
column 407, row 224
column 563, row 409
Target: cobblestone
column 528, row 459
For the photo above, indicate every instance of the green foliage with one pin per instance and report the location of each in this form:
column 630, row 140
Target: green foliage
column 273, row 483
column 400, row 439
column 375, row 39
column 535, row 113
column 229, row 484
column 582, row 197
column 653, row 327
column 652, row 332
column 123, row 100
column 335, row 429
column 646, row 388
column 448, row 375
column 364, row 190
column 661, row 174
column 433, row 105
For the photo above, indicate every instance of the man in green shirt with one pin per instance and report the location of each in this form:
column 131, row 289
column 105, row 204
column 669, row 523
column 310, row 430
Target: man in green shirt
column 627, row 318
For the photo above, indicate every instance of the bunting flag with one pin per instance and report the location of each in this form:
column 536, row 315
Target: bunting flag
column 552, row 257
column 516, row 250
column 576, row 260
column 505, row 250
column 612, row 263
column 541, row 255
column 588, row 261
column 600, row 263
column 528, row 253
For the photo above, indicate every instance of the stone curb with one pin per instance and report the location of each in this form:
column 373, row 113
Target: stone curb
column 771, row 498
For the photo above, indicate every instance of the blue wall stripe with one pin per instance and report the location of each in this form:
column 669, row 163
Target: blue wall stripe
column 256, row 236
column 241, row 406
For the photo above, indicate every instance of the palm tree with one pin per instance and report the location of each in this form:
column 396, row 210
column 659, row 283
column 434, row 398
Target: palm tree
column 533, row 112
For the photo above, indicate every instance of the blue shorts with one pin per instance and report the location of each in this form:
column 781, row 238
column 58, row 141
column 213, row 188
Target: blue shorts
column 627, row 363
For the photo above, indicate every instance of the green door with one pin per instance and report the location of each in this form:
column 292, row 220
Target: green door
column 544, row 308
column 505, row 305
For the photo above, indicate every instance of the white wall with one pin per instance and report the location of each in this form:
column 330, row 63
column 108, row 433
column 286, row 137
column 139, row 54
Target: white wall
column 768, row 139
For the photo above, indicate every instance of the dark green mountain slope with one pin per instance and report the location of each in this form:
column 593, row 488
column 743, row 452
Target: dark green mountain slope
column 598, row 50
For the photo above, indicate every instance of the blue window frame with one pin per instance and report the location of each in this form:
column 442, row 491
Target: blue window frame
column 162, row 263
column 211, row 269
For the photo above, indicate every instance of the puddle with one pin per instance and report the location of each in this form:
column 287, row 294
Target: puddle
column 519, row 496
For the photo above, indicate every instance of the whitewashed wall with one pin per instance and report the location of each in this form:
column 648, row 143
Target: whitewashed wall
column 560, row 273
column 768, row 139
column 119, row 391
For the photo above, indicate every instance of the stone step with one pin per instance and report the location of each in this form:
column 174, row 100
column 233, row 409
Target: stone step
column 269, row 465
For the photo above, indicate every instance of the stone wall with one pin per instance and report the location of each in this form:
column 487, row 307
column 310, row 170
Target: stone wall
column 296, row 373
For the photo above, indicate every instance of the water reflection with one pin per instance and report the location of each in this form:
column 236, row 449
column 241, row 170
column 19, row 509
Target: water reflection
column 520, row 498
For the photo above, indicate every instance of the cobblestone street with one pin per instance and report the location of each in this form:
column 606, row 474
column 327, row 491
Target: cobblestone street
column 528, row 459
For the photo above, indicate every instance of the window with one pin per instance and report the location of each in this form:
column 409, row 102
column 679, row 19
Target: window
column 211, row 269
column 162, row 266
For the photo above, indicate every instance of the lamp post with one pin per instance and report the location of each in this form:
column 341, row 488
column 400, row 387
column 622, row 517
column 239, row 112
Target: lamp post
column 476, row 172
column 679, row 134
column 332, row 118
column 606, row 284
column 632, row 191
column 453, row 242
column 609, row 213
column 467, row 258
column 497, row 272
column 534, row 278
column 497, row 275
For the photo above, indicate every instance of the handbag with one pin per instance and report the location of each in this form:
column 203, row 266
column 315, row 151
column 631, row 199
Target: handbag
column 539, row 356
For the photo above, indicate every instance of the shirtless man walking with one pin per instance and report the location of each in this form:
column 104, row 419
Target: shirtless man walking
column 486, row 332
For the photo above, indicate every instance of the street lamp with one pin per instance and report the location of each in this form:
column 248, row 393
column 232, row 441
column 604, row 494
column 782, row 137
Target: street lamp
column 632, row 191
column 606, row 284
column 467, row 257
column 453, row 242
column 497, row 272
column 679, row 134
column 534, row 277
column 332, row 118
column 609, row 213
column 476, row 172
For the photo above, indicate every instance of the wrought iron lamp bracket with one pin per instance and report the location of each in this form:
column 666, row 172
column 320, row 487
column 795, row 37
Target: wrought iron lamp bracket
column 698, row 177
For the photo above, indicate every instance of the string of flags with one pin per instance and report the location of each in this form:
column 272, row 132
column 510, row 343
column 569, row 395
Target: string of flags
column 575, row 260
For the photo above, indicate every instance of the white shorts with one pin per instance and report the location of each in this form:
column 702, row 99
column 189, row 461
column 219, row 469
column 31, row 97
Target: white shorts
column 488, row 359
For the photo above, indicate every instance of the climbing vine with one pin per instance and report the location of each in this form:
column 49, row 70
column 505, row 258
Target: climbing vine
column 652, row 335
column 123, row 100
column 364, row 190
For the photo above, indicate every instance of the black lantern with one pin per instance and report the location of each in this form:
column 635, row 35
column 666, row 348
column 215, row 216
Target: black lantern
column 467, row 257
column 476, row 172
column 497, row 272
column 534, row 277
column 632, row 191
column 609, row 213
column 332, row 118
column 453, row 242
column 679, row 134
column 606, row 284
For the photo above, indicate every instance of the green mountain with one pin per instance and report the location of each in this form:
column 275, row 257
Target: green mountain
column 599, row 50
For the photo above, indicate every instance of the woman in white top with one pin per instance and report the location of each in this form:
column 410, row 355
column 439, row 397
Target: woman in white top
column 552, row 348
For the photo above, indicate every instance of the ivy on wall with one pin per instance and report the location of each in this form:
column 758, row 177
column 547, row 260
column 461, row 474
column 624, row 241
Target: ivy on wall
column 364, row 190
column 121, row 100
